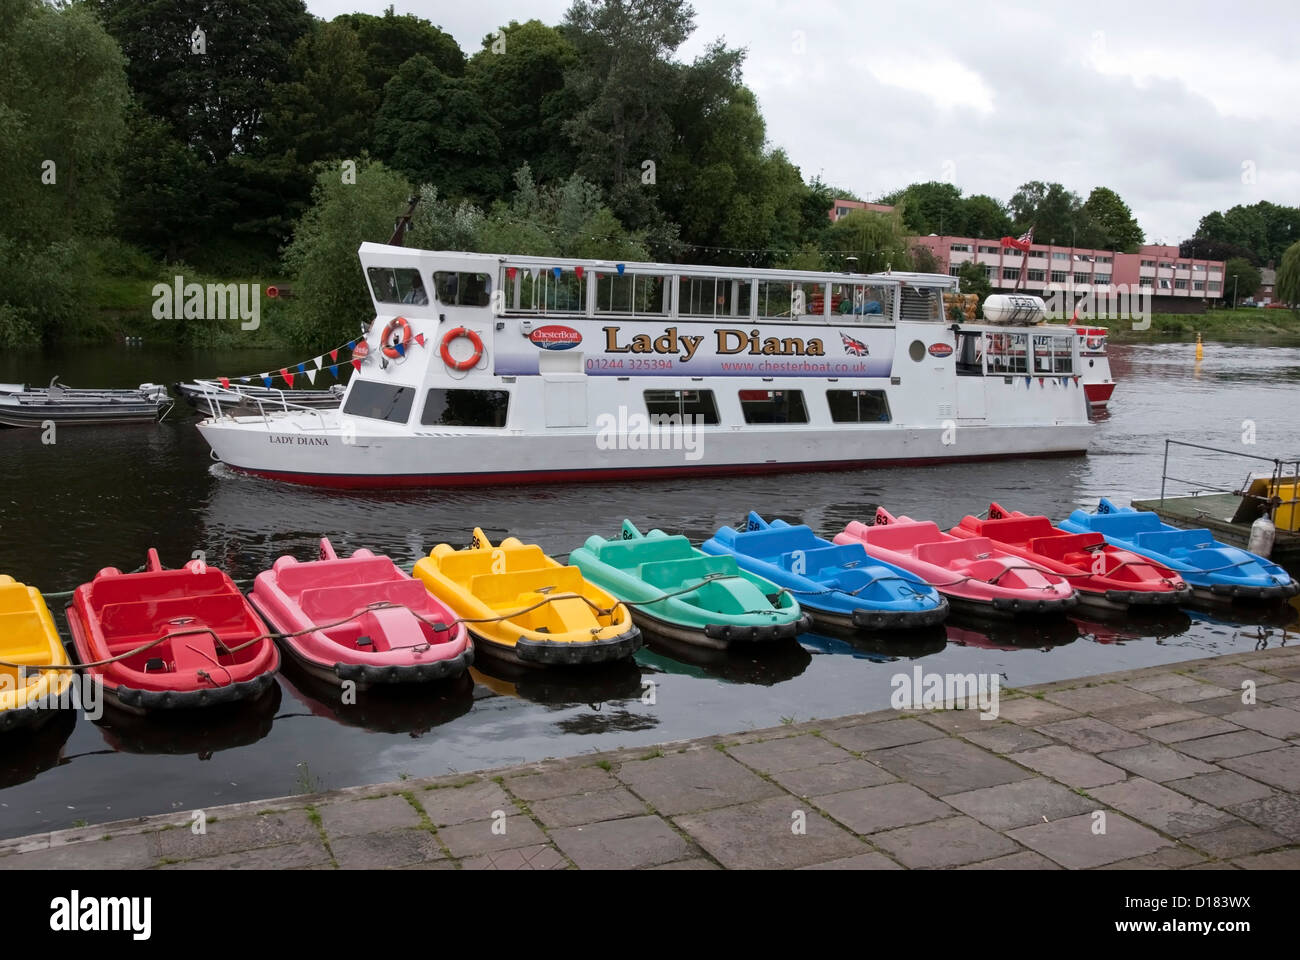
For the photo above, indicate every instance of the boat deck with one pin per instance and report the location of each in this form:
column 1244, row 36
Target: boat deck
column 1215, row 512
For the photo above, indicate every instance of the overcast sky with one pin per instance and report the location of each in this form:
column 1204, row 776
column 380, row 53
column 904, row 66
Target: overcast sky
column 1182, row 107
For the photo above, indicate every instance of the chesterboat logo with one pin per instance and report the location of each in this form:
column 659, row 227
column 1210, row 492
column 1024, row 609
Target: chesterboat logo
column 555, row 337
column 946, row 691
column 940, row 350
column 75, row 914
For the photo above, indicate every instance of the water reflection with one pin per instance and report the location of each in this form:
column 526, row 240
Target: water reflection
column 27, row 752
column 883, row 646
column 413, row 709
column 202, row 732
column 1042, row 633
column 759, row 664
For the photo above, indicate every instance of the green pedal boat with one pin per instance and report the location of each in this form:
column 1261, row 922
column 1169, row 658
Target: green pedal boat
column 679, row 592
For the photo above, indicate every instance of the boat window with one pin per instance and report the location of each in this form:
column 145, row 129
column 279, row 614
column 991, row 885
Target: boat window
column 682, row 404
column 970, row 362
column 1053, row 354
column 397, row 285
column 774, row 299
column 463, row 289
column 541, row 291
column 712, row 297
column 773, row 406
column 465, row 408
column 862, row 302
column 379, row 401
column 920, row 303
column 631, row 293
column 1006, row 352
column 858, row 406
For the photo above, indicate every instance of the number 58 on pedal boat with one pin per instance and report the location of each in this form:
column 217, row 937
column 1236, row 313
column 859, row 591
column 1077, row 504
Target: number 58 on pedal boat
column 677, row 591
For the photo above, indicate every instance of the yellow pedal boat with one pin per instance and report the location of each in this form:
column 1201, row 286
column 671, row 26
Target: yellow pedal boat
column 526, row 608
column 28, row 637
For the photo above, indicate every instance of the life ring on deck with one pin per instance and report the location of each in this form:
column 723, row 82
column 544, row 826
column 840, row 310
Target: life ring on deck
column 394, row 349
column 472, row 360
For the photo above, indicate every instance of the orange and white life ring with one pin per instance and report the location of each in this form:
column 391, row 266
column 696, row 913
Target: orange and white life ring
column 469, row 362
column 394, row 348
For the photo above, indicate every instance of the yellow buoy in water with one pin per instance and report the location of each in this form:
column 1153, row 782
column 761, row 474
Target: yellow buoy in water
column 1200, row 350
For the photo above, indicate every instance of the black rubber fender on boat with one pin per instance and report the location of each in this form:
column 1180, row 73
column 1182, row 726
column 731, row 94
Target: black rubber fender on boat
column 1016, row 605
column 373, row 675
column 1279, row 591
column 759, row 634
column 189, row 699
column 1148, row 597
column 901, row 619
column 555, row 653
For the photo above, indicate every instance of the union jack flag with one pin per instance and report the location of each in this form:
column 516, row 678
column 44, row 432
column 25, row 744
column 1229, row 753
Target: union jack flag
column 853, row 347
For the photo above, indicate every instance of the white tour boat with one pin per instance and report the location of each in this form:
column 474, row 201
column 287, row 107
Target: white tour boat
column 485, row 369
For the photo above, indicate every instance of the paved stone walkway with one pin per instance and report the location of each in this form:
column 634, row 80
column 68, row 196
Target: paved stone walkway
column 1163, row 767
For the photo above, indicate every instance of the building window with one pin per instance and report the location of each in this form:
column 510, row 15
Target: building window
column 858, row 406
column 960, row 248
column 1200, row 285
column 984, row 249
column 465, row 408
column 988, row 270
column 841, row 211
column 682, row 404
column 1060, row 256
column 379, row 401
column 393, row 285
column 773, row 406
column 1038, row 254
column 1010, row 252
column 1058, row 276
column 1180, row 284
column 1181, row 266
column 1103, row 259
column 1103, row 278
column 1164, row 283
column 1081, row 278
column 1036, row 276
column 1010, row 273
column 1198, row 266
column 1147, row 263
column 1215, row 286
column 954, row 271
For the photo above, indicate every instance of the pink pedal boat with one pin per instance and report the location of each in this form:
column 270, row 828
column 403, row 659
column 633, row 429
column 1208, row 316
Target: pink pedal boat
column 361, row 619
column 972, row 573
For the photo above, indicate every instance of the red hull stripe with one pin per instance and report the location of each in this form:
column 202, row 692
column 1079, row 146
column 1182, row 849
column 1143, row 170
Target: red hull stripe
column 609, row 474
column 1098, row 392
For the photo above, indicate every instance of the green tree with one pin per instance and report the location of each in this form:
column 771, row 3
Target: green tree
column 933, row 207
column 1052, row 210
column 1266, row 229
column 878, row 240
column 331, row 297
column 1247, row 279
column 1113, row 221
column 985, row 217
column 973, row 279
column 1287, row 288
column 389, row 41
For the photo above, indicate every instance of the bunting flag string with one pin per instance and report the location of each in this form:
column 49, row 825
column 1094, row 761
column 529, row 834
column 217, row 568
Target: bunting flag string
column 311, row 377
column 285, row 374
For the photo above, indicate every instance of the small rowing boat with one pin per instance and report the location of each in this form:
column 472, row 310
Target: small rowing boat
column 28, row 638
column 1104, row 576
column 973, row 572
column 1214, row 570
column 679, row 592
column 360, row 618
column 23, row 406
column 839, row 586
column 212, row 397
column 526, row 608
column 170, row 639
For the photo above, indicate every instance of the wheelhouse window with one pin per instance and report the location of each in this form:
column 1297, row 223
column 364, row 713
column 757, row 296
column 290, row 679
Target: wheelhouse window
column 921, row 303
column 463, row 289
column 858, row 406
column 1006, row 353
column 697, row 404
column 1053, row 354
column 631, row 293
column 397, row 285
column 465, row 408
column 379, row 401
column 773, row 406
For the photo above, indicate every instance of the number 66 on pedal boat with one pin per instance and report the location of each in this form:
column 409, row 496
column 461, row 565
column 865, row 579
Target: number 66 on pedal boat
column 360, row 618
column 28, row 638
column 171, row 638
column 525, row 608
column 679, row 592
column 839, row 586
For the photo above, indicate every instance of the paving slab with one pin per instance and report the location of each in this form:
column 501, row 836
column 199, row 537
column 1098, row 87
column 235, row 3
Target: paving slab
column 1275, row 692
column 880, row 808
column 479, row 836
column 1220, row 706
column 695, row 780
column 1156, row 762
column 1227, row 745
column 1236, row 840
column 1166, row 858
column 863, row 861
column 1279, row 813
column 1020, row 803
column 1271, row 720
column 119, row 853
column 1026, row 860
column 1166, row 810
column 563, row 783
column 539, row 856
column 1194, row 694
column 1232, row 675
column 1072, row 843
column 1091, row 735
column 878, row 736
column 948, row 766
column 789, row 753
column 347, row 818
column 761, row 835
column 833, row 778
column 1191, row 730
column 1032, row 711
column 447, row 806
column 1106, row 696
column 1071, row 767
column 233, row 835
column 588, row 808
column 944, row 843
column 627, row 844
column 1221, row 788
column 1142, row 716
column 400, row 847
column 1161, row 681
column 1278, row 860
column 286, row 856
column 1006, row 738
column 694, row 863
column 1277, row 768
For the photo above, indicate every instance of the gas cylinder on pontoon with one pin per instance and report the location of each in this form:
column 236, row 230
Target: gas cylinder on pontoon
column 1014, row 308
column 1262, row 533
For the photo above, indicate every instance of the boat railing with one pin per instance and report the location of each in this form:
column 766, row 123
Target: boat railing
column 1279, row 471
column 267, row 400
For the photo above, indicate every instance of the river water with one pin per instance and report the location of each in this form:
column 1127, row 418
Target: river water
column 102, row 496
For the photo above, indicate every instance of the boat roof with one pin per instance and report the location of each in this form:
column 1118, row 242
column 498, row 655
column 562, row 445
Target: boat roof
column 375, row 253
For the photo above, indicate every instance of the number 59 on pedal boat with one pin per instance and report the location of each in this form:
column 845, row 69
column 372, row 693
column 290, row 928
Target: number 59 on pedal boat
column 677, row 591
column 362, row 619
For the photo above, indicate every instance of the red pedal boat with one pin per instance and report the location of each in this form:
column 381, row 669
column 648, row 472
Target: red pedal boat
column 211, row 647
column 1105, row 577
column 972, row 573
column 375, row 623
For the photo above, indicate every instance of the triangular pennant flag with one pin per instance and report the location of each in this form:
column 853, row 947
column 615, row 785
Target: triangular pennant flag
column 621, row 268
column 1026, row 381
column 243, row 379
column 356, row 364
column 334, row 370
column 1076, row 379
column 535, row 271
column 400, row 348
column 266, row 380
column 557, row 271
column 579, row 271
column 288, row 377
column 352, row 344
column 419, row 338
column 302, row 368
column 334, row 354
column 511, row 271
column 225, row 382
column 1040, row 381
column 311, row 376
column 319, row 361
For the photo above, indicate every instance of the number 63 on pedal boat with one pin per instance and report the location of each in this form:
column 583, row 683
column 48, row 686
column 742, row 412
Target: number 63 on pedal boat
column 360, row 618
column 679, row 592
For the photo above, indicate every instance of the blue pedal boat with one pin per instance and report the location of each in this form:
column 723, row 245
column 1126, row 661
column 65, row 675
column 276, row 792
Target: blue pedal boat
column 1215, row 570
column 838, row 585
